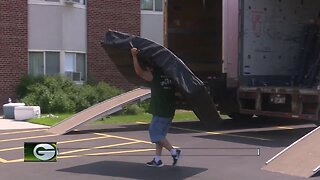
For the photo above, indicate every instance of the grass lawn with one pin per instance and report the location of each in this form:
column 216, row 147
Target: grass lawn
column 116, row 119
column 49, row 121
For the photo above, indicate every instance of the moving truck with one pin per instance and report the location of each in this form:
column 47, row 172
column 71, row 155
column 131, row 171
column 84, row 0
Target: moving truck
column 257, row 57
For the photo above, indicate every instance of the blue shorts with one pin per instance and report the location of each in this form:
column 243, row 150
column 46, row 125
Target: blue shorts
column 158, row 128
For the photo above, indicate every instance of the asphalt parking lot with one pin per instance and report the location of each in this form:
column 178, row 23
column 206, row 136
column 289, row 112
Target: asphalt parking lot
column 236, row 150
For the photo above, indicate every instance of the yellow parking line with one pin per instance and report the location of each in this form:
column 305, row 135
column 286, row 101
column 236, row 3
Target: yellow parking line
column 198, row 131
column 221, row 133
column 10, row 149
column 141, row 123
column 85, row 139
column 216, row 133
column 23, row 138
column 15, row 160
column 124, row 138
column 3, row 160
column 284, row 127
column 105, row 153
column 248, row 137
column 83, row 155
column 129, row 139
column 62, row 142
column 20, row 132
column 98, row 147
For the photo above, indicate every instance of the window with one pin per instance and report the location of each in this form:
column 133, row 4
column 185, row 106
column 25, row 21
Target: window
column 158, row 5
column 52, row 63
column 55, row 2
column 36, row 63
column 80, row 1
column 151, row 5
column 44, row 63
column 75, row 65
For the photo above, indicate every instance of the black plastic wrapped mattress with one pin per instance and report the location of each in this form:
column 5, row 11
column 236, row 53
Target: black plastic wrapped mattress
column 118, row 45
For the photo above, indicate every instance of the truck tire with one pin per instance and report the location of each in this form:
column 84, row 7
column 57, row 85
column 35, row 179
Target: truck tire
column 317, row 122
column 241, row 117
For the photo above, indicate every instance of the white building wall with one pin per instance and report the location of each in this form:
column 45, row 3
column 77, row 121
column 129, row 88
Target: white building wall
column 44, row 27
column 57, row 27
column 74, row 34
column 152, row 26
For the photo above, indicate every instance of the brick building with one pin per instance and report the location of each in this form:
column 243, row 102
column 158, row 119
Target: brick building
column 61, row 36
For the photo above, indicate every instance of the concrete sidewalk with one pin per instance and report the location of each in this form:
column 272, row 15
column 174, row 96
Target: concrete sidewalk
column 6, row 124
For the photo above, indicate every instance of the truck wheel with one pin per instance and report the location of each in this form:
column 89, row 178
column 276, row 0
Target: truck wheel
column 240, row 117
column 318, row 120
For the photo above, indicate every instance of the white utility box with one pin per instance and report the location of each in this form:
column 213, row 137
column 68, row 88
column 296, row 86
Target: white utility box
column 26, row 112
column 8, row 109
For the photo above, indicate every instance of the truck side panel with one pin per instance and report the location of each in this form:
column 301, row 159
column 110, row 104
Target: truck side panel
column 193, row 31
column 272, row 32
column 231, row 41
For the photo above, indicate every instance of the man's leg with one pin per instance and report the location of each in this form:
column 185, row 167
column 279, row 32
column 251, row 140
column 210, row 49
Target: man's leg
column 154, row 131
column 175, row 153
column 158, row 149
column 166, row 144
column 158, row 152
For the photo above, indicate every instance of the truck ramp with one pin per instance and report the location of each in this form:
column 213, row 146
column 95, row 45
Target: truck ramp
column 302, row 158
column 100, row 110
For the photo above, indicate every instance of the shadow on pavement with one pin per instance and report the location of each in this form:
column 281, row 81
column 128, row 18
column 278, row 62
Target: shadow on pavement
column 243, row 131
column 316, row 175
column 110, row 128
column 227, row 124
column 272, row 138
column 134, row 170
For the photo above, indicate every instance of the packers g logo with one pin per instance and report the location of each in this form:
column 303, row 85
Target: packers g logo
column 44, row 152
column 36, row 152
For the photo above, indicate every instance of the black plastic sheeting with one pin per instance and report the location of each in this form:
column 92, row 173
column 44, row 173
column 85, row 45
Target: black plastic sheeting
column 118, row 45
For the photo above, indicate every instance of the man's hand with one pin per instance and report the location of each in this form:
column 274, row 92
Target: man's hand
column 134, row 52
column 146, row 75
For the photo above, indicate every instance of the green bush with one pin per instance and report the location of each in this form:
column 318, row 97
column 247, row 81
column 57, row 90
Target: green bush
column 62, row 103
column 22, row 88
column 105, row 91
column 132, row 109
column 144, row 105
column 57, row 94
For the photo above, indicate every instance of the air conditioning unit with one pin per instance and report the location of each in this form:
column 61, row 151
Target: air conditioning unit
column 74, row 76
column 71, row 1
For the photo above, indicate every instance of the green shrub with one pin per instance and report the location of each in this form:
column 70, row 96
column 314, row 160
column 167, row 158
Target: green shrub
column 84, row 98
column 105, row 91
column 61, row 102
column 22, row 88
column 144, row 105
column 132, row 109
column 57, row 94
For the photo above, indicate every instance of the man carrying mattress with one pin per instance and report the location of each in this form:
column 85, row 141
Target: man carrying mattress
column 162, row 108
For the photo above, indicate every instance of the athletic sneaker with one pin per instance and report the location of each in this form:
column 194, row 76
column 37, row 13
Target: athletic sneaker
column 176, row 157
column 153, row 163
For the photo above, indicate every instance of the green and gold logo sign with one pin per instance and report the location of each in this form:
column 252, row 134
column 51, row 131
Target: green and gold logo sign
column 40, row 152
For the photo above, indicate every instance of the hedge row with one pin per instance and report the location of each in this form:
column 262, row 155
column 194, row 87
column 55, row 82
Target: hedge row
column 57, row 94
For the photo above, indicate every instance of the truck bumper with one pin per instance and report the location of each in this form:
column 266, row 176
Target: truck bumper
column 283, row 102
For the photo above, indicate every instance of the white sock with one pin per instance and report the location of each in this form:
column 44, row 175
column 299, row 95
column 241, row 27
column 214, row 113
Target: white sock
column 157, row 158
column 173, row 152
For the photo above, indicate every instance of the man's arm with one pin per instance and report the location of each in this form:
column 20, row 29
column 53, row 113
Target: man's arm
column 144, row 74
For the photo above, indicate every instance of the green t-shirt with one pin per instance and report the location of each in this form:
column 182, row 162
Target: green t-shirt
column 162, row 95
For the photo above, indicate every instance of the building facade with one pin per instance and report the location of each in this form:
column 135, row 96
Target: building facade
column 47, row 37
column 152, row 20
